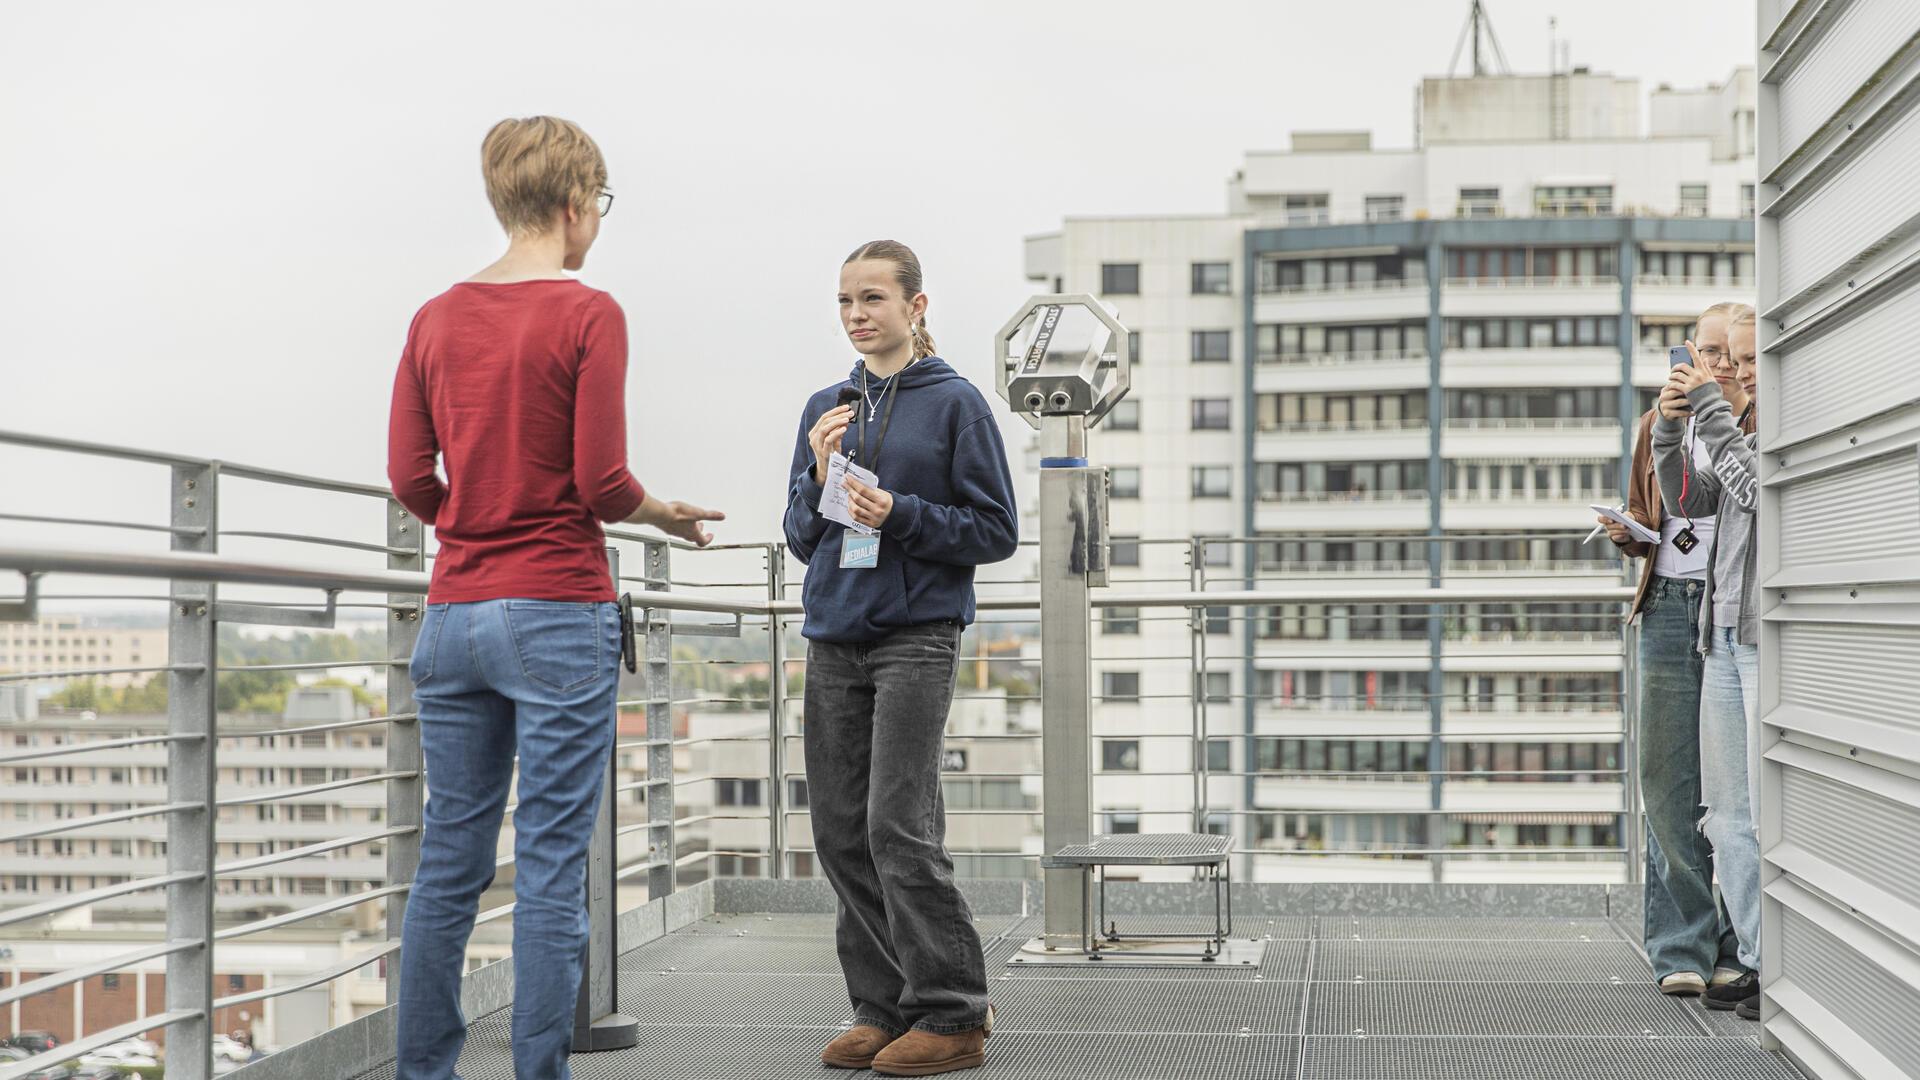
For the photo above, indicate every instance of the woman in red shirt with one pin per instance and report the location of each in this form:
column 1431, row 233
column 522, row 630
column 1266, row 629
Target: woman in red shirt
column 516, row 380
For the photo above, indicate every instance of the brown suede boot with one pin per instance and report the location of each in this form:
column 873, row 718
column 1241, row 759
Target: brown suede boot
column 922, row 1053
column 855, row 1047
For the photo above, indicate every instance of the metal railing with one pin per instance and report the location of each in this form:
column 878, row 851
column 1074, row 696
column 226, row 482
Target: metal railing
column 1334, row 288
column 1339, row 359
column 741, row 734
column 1531, row 282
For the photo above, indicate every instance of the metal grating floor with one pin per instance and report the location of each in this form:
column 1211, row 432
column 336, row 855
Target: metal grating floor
column 755, row 996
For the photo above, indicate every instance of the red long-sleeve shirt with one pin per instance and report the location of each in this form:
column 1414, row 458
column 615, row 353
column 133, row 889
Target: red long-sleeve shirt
column 521, row 387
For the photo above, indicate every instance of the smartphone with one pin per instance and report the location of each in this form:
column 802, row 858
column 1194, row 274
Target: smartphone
column 1676, row 356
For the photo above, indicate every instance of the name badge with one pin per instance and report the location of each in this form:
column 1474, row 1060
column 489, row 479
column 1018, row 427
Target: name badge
column 859, row 552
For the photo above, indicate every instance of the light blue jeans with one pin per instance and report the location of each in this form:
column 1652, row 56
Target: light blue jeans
column 1729, row 708
column 495, row 678
column 1686, row 926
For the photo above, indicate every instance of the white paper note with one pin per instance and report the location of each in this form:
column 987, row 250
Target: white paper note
column 833, row 500
column 1640, row 532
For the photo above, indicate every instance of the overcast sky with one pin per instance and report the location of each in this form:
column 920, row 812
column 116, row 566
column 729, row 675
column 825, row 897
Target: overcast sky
column 220, row 217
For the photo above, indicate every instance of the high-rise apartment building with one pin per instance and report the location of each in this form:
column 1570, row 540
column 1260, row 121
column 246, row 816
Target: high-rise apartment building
column 1410, row 367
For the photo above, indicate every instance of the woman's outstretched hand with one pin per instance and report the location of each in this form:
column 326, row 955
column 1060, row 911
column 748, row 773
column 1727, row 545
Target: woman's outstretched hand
column 682, row 521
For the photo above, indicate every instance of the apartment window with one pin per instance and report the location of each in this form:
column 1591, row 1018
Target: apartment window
column 110, row 981
column 1215, row 553
column 1124, row 417
column 1120, row 279
column 1124, row 551
column 1212, row 481
column 1573, row 200
column 1306, row 209
column 1479, row 202
column 1212, row 414
column 1133, row 346
column 1120, row 620
column 1693, row 200
column 1120, row 755
column 1747, row 202
column 1219, row 755
column 1212, row 346
column 798, row 795
column 309, row 812
column 736, row 792
column 1124, row 822
column 1385, row 207
column 1120, row 685
column 1219, row 824
column 1125, row 480
column 1212, row 278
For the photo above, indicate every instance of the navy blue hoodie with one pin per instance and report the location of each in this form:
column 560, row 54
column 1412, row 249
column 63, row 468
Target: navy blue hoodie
column 945, row 465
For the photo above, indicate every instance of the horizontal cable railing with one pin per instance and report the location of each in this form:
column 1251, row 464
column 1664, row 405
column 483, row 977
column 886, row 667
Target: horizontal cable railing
column 725, row 793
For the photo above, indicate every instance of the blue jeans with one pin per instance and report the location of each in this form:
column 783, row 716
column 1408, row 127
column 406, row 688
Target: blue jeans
column 493, row 678
column 1729, row 707
column 1687, row 928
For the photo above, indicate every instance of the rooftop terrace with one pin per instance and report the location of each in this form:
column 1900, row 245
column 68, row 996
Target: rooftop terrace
column 1358, row 981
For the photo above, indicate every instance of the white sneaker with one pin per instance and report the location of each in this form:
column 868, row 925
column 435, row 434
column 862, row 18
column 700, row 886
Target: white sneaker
column 1683, row 984
column 1724, row 975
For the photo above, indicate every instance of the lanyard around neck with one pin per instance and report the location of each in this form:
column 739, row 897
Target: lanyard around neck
column 890, row 393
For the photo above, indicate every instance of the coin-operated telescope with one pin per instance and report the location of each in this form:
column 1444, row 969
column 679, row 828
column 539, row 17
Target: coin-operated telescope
column 1063, row 364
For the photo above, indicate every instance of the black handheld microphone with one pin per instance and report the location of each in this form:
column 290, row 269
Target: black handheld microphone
column 848, row 395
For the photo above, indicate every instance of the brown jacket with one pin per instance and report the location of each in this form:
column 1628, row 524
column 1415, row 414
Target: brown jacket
column 1643, row 502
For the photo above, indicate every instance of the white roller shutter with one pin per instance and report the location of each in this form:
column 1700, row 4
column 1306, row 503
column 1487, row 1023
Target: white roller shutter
column 1838, row 746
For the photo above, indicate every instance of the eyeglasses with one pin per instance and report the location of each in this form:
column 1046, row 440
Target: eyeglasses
column 605, row 202
column 1713, row 354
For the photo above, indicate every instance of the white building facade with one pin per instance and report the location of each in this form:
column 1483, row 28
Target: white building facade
column 1403, row 367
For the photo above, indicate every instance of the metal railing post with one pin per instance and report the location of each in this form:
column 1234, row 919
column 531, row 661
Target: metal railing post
column 1197, row 683
column 597, row 1021
column 405, row 797
column 659, row 696
column 776, row 717
column 192, row 644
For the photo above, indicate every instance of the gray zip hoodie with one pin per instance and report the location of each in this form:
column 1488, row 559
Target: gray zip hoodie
column 1729, row 490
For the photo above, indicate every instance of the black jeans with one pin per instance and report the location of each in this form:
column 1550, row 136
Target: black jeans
column 876, row 718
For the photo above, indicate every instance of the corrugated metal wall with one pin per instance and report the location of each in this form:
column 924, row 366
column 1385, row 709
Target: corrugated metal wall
column 1838, row 750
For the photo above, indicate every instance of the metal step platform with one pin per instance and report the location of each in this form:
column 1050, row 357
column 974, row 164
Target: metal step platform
column 1101, row 940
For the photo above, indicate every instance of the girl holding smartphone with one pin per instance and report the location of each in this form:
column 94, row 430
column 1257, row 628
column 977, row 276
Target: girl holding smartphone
column 883, row 629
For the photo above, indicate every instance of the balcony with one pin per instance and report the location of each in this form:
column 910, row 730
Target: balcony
column 1301, row 373
column 1529, row 296
column 1686, row 297
column 1345, row 440
column 1385, row 300
column 1377, row 951
column 1544, row 438
column 1346, row 511
column 1530, row 367
column 1519, row 513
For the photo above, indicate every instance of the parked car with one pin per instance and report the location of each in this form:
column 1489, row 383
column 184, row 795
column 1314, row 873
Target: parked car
column 34, row 1042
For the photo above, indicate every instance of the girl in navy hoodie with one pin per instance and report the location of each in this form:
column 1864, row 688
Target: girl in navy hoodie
column 883, row 624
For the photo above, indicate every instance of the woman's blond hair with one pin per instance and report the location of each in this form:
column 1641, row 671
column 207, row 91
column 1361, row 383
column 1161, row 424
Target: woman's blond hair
column 907, row 276
column 1735, row 312
column 537, row 166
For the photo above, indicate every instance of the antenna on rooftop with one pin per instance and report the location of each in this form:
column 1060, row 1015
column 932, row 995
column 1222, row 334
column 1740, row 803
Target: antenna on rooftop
column 1478, row 25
